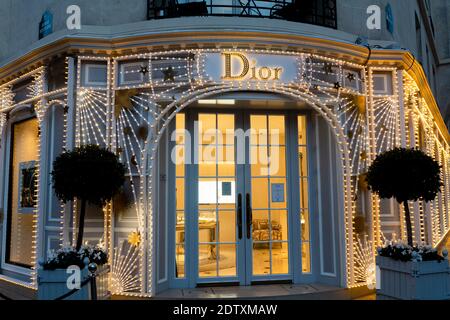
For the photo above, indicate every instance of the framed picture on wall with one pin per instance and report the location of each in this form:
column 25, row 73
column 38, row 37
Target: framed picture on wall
column 27, row 187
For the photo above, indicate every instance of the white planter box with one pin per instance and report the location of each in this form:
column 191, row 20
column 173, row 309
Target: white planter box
column 429, row 280
column 53, row 284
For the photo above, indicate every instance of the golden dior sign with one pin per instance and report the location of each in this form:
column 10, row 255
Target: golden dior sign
column 250, row 67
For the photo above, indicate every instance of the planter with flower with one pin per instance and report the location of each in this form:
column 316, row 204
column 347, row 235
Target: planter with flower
column 59, row 274
column 88, row 174
column 412, row 273
column 408, row 271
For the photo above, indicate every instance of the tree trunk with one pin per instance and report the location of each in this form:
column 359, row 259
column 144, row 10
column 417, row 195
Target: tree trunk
column 81, row 225
column 408, row 223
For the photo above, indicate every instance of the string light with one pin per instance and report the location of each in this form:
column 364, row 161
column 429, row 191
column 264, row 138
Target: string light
column 363, row 128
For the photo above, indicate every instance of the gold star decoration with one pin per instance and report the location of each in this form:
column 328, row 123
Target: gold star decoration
column 123, row 100
column 364, row 155
column 134, row 238
column 360, row 104
column 169, row 74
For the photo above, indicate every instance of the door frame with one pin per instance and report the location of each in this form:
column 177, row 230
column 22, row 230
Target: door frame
column 245, row 277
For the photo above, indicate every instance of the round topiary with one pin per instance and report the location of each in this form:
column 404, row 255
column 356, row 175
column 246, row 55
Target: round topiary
column 406, row 175
column 90, row 174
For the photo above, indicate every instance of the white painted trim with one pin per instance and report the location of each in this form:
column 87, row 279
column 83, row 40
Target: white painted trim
column 123, row 65
column 15, row 281
column 86, row 81
column 391, row 224
column 330, row 148
column 16, row 269
column 49, row 239
column 384, row 76
column 319, row 191
column 392, row 209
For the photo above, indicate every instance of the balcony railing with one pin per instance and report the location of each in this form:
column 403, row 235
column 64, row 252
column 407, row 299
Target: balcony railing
column 317, row 12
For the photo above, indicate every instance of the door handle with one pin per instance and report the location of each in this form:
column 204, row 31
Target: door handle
column 249, row 216
column 239, row 212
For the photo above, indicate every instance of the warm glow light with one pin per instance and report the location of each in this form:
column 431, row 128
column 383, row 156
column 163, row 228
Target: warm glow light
column 217, row 102
column 355, row 125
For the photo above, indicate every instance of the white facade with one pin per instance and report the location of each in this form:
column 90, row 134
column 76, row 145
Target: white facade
column 88, row 87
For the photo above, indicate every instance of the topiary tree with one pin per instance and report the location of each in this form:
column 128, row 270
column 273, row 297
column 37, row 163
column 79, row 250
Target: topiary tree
column 406, row 175
column 91, row 175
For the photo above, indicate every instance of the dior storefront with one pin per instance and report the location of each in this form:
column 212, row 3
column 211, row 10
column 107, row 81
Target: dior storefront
column 245, row 155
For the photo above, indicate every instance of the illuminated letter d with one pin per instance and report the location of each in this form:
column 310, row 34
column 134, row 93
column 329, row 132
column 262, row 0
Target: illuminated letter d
column 228, row 66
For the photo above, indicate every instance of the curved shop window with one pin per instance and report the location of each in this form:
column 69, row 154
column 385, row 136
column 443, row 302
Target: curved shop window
column 22, row 191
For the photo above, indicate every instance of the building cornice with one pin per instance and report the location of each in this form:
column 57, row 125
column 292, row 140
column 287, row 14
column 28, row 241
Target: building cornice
column 219, row 32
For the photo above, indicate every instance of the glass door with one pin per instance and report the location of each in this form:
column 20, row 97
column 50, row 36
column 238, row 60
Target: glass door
column 241, row 230
column 267, row 199
column 219, row 235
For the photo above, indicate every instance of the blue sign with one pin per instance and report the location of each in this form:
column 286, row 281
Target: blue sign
column 46, row 25
column 390, row 18
column 277, row 192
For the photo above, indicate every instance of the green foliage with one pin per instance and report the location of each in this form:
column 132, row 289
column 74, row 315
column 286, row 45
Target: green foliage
column 88, row 173
column 406, row 175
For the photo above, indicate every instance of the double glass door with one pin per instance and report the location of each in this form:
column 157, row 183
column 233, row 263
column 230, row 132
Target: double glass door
column 239, row 189
column 243, row 230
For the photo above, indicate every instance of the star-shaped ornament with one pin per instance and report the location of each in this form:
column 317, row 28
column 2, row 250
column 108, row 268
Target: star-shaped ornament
column 133, row 160
column 337, row 85
column 328, row 68
column 169, row 74
column 363, row 155
column 134, row 238
column 123, row 100
column 350, row 77
column 144, row 70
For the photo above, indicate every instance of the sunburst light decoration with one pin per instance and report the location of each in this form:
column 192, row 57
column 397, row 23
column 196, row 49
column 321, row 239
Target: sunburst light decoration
column 125, row 269
column 130, row 117
column 427, row 137
column 92, row 117
column 386, row 122
column 365, row 267
column 342, row 87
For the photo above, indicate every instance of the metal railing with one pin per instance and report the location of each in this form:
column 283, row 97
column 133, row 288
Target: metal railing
column 317, row 12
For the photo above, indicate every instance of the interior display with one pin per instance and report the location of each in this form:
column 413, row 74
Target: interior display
column 23, row 193
column 27, row 187
column 225, row 192
column 264, row 232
